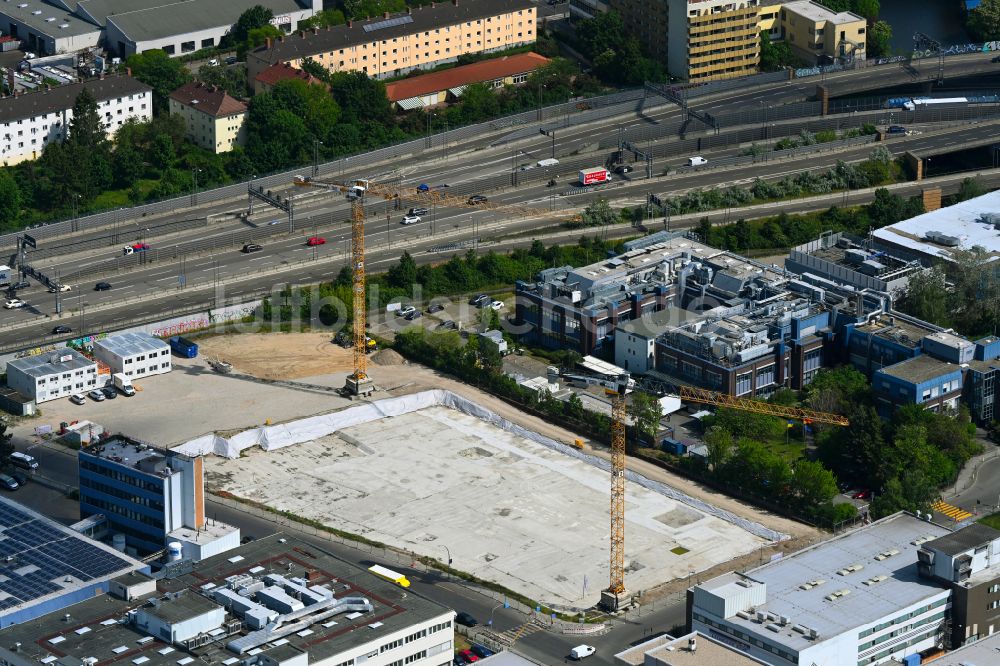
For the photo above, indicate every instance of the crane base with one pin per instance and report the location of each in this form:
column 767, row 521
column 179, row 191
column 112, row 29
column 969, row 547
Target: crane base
column 612, row 602
column 363, row 387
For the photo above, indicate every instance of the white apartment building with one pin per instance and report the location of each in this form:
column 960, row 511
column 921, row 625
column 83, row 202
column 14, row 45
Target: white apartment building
column 31, row 121
column 857, row 598
column 52, row 375
column 135, row 354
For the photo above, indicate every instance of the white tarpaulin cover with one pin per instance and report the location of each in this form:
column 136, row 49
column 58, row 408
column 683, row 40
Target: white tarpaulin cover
column 314, row 427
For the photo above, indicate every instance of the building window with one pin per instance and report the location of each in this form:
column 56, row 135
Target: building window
column 187, row 47
column 206, row 43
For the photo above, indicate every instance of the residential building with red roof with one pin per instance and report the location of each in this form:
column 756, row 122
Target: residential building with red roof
column 438, row 87
column 281, row 71
column 215, row 120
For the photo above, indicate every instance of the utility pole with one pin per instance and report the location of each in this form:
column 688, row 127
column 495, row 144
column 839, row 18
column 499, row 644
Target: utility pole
column 316, row 144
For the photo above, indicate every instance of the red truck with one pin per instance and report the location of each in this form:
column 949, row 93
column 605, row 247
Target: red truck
column 594, row 176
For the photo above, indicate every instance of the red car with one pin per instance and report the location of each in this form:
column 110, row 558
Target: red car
column 316, row 240
column 862, row 494
column 135, row 247
column 469, row 656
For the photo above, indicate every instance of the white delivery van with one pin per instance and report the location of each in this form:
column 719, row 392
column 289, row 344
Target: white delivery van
column 551, row 161
column 4, row 276
column 581, row 652
column 123, row 384
column 697, row 161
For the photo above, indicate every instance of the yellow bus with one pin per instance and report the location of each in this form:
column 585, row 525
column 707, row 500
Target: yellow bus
column 389, row 575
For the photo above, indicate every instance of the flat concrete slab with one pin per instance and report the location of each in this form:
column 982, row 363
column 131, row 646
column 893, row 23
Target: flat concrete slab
column 507, row 509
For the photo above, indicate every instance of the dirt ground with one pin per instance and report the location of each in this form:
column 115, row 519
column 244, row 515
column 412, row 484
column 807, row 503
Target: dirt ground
column 279, row 355
column 298, row 355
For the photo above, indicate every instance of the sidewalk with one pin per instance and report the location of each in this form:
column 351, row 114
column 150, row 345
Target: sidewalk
column 969, row 472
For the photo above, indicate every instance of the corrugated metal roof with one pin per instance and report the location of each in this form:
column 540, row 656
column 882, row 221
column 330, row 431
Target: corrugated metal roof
column 130, row 344
column 43, row 365
column 410, row 103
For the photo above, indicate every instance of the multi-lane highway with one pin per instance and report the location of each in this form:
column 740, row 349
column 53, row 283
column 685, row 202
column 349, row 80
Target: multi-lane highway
column 194, row 252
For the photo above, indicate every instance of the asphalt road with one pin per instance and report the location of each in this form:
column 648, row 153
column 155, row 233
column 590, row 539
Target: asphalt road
column 59, row 467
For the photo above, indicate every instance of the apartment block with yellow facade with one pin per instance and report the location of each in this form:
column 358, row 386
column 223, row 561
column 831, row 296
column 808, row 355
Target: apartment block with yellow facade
column 214, row 119
column 814, row 31
column 701, row 40
column 392, row 45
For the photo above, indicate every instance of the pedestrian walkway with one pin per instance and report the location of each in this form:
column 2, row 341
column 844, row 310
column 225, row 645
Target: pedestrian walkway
column 953, row 512
column 511, row 636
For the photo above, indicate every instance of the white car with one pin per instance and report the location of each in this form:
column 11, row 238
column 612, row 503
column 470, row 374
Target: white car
column 77, row 399
column 62, row 288
column 96, row 395
column 410, row 219
column 213, row 62
column 497, row 305
column 581, row 652
column 409, row 309
column 14, row 303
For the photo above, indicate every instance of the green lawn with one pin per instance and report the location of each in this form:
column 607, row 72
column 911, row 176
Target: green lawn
column 992, row 520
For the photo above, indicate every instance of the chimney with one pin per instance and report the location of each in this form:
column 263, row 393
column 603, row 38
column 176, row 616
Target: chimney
column 302, row 34
column 281, row 38
column 409, row 11
column 267, row 43
column 128, row 72
column 385, row 15
column 350, row 23
column 102, row 76
column 328, row 28
column 315, row 31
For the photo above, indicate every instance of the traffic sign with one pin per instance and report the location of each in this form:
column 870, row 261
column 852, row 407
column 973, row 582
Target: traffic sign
column 28, row 240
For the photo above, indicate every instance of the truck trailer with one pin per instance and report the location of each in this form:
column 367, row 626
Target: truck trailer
column 594, row 176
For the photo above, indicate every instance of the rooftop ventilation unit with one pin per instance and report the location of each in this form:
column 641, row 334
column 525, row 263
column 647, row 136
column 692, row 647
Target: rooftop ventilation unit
column 743, row 582
column 875, row 580
column 941, row 239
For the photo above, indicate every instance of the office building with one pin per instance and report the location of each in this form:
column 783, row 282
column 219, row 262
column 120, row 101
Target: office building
column 968, row 563
column 276, row 601
column 135, row 354
column 33, row 120
column 151, row 496
column 448, row 84
column 922, row 380
column 587, row 9
column 818, row 34
column 47, row 567
column 213, row 119
column 698, row 40
column 423, row 38
column 856, row 598
column 52, row 375
column 693, row 649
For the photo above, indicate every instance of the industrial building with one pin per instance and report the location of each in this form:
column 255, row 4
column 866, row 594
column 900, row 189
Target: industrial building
column 846, row 260
column 857, row 598
column 817, row 33
column 277, row 602
column 937, row 236
column 52, row 375
column 47, row 27
column 135, row 354
column 152, row 497
column 423, row 38
column 33, row 120
column 213, row 119
column 47, row 567
column 436, row 88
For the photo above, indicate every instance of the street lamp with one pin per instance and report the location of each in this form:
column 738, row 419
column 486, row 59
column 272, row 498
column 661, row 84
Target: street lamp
column 449, row 554
column 316, row 144
column 540, row 86
column 194, row 186
column 76, row 222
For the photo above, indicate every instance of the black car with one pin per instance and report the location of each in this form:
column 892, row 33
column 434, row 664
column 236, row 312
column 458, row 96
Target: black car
column 252, row 247
column 447, row 325
column 23, row 284
column 481, row 651
column 61, row 329
column 416, row 314
column 20, row 477
column 475, row 300
column 466, row 620
column 247, row 539
column 232, row 60
column 477, row 199
column 623, row 169
column 102, row 286
column 896, row 129
column 460, row 661
column 109, row 392
column 418, row 211
column 437, row 307
column 8, row 482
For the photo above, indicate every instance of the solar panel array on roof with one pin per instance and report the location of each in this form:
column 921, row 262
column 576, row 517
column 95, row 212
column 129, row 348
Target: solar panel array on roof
column 36, row 558
column 388, row 23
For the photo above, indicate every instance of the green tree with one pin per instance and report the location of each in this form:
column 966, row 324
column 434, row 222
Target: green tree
column 926, row 297
column 970, row 189
column 10, row 200
column 813, row 483
column 720, row 446
column 984, row 21
column 839, row 391
column 403, row 274
column 232, row 79
column 322, row 19
column 646, row 413
column 257, row 37
column 866, row 8
column 599, row 214
column 879, row 39
column 775, row 55
column 254, row 18
column 160, row 72
column 6, row 444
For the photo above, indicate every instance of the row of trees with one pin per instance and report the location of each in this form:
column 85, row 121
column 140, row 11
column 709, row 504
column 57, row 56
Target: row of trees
column 983, row 21
column 617, row 56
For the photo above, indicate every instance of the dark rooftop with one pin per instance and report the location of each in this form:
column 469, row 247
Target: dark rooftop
column 972, row 536
column 61, row 98
column 179, row 607
column 421, row 18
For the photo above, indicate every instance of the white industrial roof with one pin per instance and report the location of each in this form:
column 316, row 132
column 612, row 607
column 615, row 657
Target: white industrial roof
column 49, row 363
column 899, row 584
column 963, row 221
column 130, row 344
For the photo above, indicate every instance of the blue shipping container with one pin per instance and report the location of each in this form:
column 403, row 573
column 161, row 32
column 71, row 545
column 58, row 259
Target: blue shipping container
column 183, row 348
column 911, row 660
